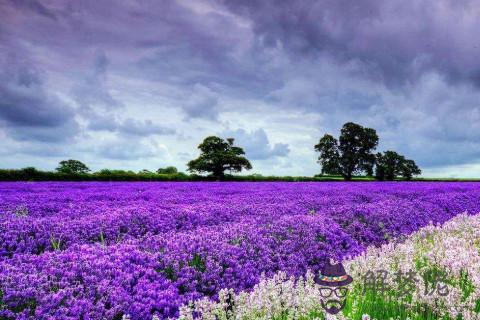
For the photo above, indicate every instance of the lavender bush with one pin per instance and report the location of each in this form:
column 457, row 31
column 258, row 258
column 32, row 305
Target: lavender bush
column 452, row 249
column 105, row 250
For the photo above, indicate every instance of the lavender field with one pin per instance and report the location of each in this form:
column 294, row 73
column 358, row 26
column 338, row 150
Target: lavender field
column 107, row 250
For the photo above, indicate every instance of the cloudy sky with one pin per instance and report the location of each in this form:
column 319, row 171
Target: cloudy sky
column 138, row 84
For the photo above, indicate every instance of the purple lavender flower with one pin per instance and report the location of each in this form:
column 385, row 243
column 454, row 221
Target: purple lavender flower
column 103, row 250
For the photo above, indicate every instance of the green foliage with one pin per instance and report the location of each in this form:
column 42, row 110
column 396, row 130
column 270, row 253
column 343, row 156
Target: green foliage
column 169, row 273
column 123, row 175
column 217, row 156
column 2, row 304
column 167, row 170
column 329, row 157
column 28, row 304
column 384, row 306
column 388, row 165
column 409, row 169
column 351, row 155
column 198, row 263
column 102, row 238
column 30, row 171
column 466, row 284
column 259, row 177
column 72, row 166
column 391, row 165
column 356, row 144
column 56, row 243
column 388, row 304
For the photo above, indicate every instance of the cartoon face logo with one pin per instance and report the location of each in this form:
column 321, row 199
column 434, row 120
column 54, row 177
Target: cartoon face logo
column 333, row 281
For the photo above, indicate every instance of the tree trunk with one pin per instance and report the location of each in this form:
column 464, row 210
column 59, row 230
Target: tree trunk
column 347, row 176
column 220, row 175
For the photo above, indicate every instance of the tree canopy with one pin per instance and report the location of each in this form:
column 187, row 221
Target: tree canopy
column 353, row 154
column 167, row 170
column 391, row 165
column 388, row 165
column 410, row 169
column 218, row 155
column 72, row 166
column 329, row 157
column 356, row 146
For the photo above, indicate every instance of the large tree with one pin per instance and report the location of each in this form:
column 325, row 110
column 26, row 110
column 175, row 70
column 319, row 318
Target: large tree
column 409, row 169
column 356, row 146
column 369, row 144
column 218, row 155
column 329, row 157
column 72, row 166
column 351, row 154
column 167, row 170
column 390, row 165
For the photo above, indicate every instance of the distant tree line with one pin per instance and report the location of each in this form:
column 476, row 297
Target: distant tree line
column 352, row 154
column 349, row 156
column 33, row 174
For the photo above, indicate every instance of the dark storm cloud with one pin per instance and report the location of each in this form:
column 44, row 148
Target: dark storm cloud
column 27, row 110
column 35, row 7
column 143, row 128
column 209, row 49
column 99, row 122
column 128, row 127
column 93, row 91
column 46, row 150
column 395, row 40
column 202, row 103
column 438, row 124
column 256, row 144
column 128, row 149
